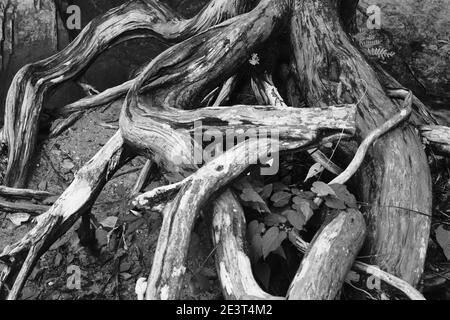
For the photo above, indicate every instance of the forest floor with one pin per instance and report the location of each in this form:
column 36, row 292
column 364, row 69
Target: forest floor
column 110, row 269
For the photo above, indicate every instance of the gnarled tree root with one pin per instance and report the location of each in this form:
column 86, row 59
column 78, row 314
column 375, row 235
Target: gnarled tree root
column 191, row 74
column 134, row 19
column 77, row 199
column 396, row 174
column 334, row 249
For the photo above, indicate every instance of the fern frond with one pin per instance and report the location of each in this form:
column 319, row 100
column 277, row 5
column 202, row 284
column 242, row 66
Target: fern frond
column 380, row 53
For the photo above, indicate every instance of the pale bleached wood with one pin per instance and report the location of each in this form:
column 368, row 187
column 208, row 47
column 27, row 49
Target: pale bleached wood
column 329, row 258
column 134, row 19
column 77, row 199
column 365, row 269
column 438, row 137
column 397, row 173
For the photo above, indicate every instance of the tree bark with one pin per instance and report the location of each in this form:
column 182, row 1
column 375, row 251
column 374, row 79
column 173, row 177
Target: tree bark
column 396, row 173
column 334, row 249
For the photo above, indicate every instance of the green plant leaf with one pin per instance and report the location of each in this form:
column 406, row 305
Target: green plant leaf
column 304, row 207
column 279, row 186
column 322, row 189
column 296, row 218
column 335, row 203
column 253, row 200
column 271, row 240
column 256, row 248
column 254, row 227
column 267, row 191
column 308, row 195
column 281, row 199
column 274, row 219
column 345, row 195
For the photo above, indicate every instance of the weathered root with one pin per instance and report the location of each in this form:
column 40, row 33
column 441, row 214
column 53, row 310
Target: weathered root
column 267, row 93
column 20, row 258
column 233, row 265
column 192, row 193
column 202, row 69
column 142, row 179
column 328, row 260
column 225, row 91
column 396, row 174
column 133, row 19
column 97, row 100
column 364, row 270
column 59, row 127
column 438, row 137
column 168, row 269
column 421, row 113
column 24, row 193
column 371, row 138
column 14, row 207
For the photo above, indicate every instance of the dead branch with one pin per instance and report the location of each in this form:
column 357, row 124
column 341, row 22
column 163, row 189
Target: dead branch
column 24, row 193
column 364, row 268
column 20, row 258
column 334, row 249
column 233, row 264
column 438, row 137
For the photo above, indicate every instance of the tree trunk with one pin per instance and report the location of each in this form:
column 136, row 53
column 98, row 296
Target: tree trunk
column 396, row 173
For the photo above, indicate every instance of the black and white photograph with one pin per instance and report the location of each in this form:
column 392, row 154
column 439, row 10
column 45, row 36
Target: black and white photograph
column 224, row 155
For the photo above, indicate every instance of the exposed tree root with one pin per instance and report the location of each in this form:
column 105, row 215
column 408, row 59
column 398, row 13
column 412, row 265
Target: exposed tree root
column 233, row 264
column 360, row 155
column 333, row 71
column 160, row 119
column 133, row 19
column 438, row 137
column 334, row 249
column 17, row 207
column 20, row 258
column 24, row 193
column 366, row 269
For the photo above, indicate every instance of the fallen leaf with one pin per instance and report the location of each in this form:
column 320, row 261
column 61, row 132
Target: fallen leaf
column 18, row 218
column 58, row 259
column 109, row 222
column 67, row 164
column 42, row 185
column 314, row 171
